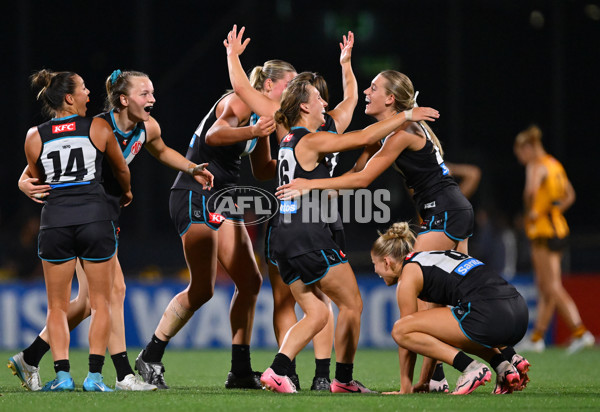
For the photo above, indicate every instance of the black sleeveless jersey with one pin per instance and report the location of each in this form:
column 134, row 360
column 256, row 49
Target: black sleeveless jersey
column 130, row 143
column 72, row 166
column 330, row 160
column 426, row 173
column 223, row 161
column 301, row 226
column 450, row 277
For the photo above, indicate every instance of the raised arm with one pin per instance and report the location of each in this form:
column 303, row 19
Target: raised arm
column 172, row 158
column 342, row 113
column 258, row 102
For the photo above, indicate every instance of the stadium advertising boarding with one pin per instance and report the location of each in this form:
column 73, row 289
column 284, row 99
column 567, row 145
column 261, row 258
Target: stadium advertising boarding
column 23, row 315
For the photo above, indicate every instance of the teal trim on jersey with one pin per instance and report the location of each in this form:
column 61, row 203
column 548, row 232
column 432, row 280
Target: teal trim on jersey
column 286, row 148
column 293, row 280
column 67, row 137
column 58, row 119
column 298, row 127
column 134, row 140
column 112, row 117
column 193, row 140
column 59, row 185
column 445, row 170
column 252, row 146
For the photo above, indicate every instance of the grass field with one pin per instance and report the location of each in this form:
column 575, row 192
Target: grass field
column 558, row 382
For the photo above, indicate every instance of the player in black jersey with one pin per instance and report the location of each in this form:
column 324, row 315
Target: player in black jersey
column 415, row 152
column 66, row 153
column 130, row 98
column 336, row 121
column 487, row 313
column 210, row 237
column 305, row 249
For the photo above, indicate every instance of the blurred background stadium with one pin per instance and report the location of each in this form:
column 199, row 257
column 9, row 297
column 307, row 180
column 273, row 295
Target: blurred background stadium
column 491, row 67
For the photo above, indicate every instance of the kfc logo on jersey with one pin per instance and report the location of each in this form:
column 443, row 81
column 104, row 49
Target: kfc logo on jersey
column 409, row 256
column 215, row 218
column 135, row 149
column 342, row 254
column 61, row 128
column 288, row 138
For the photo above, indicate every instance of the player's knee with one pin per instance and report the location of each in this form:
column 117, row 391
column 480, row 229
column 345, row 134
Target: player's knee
column 197, row 299
column 118, row 292
column 318, row 318
column 250, row 286
column 356, row 306
column 400, row 331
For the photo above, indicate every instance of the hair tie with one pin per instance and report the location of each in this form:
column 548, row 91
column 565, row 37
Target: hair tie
column 114, row 76
column 415, row 99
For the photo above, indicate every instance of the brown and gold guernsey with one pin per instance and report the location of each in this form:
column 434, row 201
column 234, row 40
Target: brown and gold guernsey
column 550, row 222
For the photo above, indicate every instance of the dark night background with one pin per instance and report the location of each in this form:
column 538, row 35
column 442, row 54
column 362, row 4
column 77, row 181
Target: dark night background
column 491, row 67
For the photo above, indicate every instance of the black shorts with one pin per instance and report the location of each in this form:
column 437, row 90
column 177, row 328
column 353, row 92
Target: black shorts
column 456, row 224
column 96, row 241
column 269, row 242
column 338, row 237
column 554, row 244
column 493, row 322
column 310, row 267
column 187, row 207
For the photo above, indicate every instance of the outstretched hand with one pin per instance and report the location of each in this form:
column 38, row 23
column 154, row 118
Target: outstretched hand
column 346, row 48
column 233, row 43
column 294, row 189
column 203, row 176
column 424, row 113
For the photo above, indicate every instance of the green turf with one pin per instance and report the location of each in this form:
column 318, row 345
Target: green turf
column 558, row 382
